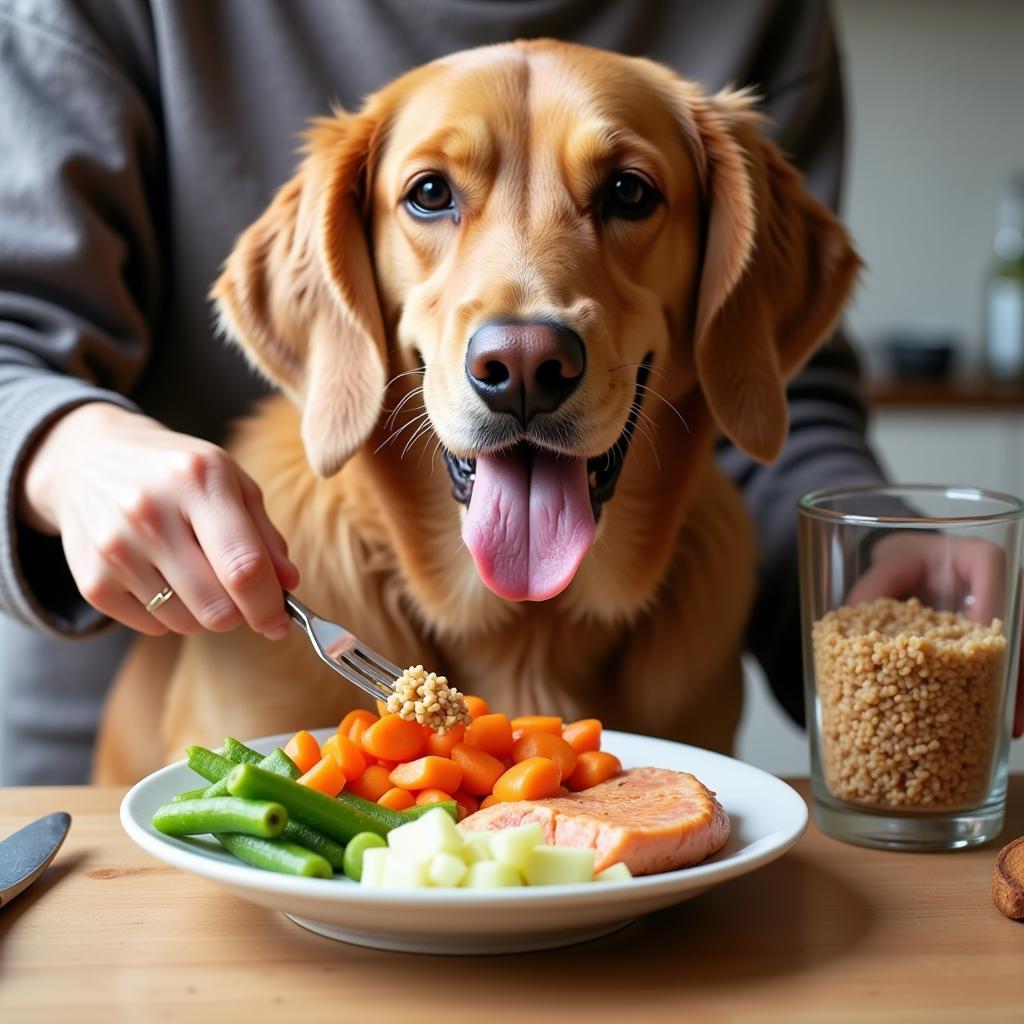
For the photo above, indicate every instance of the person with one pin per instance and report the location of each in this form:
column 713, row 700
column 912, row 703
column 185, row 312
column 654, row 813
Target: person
column 139, row 140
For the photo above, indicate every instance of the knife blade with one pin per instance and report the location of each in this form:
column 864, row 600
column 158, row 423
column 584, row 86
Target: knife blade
column 25, row 855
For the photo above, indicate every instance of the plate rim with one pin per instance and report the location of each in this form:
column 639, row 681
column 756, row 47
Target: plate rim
column 760, row 851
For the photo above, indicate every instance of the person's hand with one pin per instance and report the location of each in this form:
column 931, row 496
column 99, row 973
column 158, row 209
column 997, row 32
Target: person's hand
column 139, row 508
column 937, row 568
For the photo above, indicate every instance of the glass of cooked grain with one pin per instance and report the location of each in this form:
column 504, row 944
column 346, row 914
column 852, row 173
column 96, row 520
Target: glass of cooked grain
column 910, row 599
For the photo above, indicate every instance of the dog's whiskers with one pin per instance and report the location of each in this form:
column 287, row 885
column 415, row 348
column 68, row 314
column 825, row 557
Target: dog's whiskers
column 419, row 461
column 661, row 397
column 398, row 408
column 418, row 433
column 433, row 456
column 647, row 426
column 405, row 373
column 394, row 434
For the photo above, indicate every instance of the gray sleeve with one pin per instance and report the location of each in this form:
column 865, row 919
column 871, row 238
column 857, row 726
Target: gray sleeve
column 827, row 443
column 78, row 264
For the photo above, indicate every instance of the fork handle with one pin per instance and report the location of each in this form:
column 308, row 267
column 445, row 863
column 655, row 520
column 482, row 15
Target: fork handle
column 297, row 610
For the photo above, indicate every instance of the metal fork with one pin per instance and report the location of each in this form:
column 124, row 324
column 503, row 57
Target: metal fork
column 347, row 655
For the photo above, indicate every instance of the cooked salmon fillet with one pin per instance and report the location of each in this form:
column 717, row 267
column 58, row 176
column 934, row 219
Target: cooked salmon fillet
column 651, row 819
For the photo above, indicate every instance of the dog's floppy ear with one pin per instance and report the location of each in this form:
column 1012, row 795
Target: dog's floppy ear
column 777, row 269
column 298, row 294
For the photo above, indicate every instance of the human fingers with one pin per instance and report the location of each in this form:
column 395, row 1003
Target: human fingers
column 97, row 572
column 277, row 546
column 894, row 574
column 982, row 565
column 237, row 554
column 161, row 552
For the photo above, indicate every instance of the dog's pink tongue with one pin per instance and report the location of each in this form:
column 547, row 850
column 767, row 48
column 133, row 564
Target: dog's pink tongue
column 529, row 523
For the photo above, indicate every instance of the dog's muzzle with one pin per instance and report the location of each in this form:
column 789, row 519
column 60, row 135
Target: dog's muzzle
column 602, row 470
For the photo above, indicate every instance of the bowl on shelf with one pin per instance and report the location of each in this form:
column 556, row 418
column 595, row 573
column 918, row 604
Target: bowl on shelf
column 920, row 355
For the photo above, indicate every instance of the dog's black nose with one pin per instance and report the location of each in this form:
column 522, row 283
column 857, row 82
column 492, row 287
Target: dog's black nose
column 525, row 368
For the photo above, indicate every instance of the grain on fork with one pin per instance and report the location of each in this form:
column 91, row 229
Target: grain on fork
column 428, row 699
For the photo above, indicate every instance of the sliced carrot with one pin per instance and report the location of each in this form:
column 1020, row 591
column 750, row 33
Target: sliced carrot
column 480, row 770
column 488, row 801
column 491, row 732
column 467, row 803
column 397, row 799
column 476, row 706
column 441, row 746
column 583, row 735
column 372, row 784
column 592, row 767
column 388, row 766
column 536, row 778
column 325, row 776
column 393, row 738
column 330, row 746
column 346, row 753
column 428, row 772
column 545, row 744
column 382, row 709
column 433, row 796
column 304, row 750
column 353, row 724
column 537, row 723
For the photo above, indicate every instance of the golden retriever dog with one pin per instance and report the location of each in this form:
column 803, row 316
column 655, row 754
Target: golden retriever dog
column 509, row 304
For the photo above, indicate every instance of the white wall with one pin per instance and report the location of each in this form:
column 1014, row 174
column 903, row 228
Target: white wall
column 936, row 110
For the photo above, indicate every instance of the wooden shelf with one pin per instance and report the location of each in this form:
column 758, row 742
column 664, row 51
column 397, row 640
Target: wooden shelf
column 976, row 393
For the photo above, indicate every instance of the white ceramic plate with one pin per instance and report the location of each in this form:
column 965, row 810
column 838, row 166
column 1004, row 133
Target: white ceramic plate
column 767, row 819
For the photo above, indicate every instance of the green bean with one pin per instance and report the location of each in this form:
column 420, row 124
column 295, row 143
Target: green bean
column 190, row 794
column 354, row 853
column 419, row 810
column 221, row 814
column 369, row 808
column 339, row 820
column 276, row 761
column 275, row 855
column 208, row 764
column 311, row 839
column 238, row 753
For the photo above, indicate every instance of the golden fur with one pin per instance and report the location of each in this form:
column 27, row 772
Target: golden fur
column 362, row 315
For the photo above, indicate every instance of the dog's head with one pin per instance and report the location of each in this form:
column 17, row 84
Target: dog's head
column 545, row 231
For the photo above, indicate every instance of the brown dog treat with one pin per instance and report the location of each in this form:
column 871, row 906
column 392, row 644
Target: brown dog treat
column 1008, row 880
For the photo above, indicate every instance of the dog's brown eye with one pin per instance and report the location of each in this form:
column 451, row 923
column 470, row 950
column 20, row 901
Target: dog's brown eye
column 430, row 195
column 629, row 195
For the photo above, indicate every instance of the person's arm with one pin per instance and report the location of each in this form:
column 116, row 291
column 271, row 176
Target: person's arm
column 79, row 267
column 799, row 75
column 104, row 508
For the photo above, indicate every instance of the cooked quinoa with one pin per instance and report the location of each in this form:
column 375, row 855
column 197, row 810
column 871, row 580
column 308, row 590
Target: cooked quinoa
column 910, row 700
column 429, row 699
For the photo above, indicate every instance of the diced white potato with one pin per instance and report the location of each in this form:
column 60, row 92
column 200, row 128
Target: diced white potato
column 489, row 874
column 406, row 842
column 399, row 873
column 476, row 846
column 513, row 846
column 424, row 838
column 374, row 858
column 446, row 870
column 617, row 872
column 559, row 865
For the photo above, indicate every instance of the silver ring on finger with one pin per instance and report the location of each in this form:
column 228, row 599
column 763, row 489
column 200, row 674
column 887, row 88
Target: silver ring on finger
column 159, row 600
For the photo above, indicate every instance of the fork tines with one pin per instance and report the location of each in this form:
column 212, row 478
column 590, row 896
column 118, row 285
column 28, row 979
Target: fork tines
column 380, row 672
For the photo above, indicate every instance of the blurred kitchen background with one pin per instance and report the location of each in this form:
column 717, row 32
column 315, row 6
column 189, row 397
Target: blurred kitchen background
column 935, row 109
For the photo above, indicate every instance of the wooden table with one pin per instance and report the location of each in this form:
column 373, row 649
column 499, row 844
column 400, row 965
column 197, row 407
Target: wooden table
column 828, row 933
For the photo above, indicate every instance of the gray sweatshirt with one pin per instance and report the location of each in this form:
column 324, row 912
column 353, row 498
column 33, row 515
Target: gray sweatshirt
column 138, row 139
